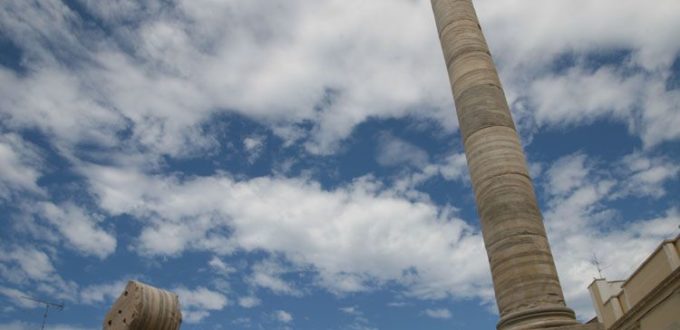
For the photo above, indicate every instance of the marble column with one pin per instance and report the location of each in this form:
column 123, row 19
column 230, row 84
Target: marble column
column 526, row 285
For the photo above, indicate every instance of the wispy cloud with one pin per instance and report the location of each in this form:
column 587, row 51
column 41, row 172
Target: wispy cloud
column 581, row 221
column 440, row 313
column 283, row 316
column 102, row 293
column 119, row 91
column 370, row 234
column 199, row 302
column 393, row 151
column 20, row 164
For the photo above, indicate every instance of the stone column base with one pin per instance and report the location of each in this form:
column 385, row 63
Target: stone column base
column 538, row 318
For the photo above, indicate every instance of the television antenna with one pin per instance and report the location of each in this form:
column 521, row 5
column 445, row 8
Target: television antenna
column 596, row 262
column 47, row 304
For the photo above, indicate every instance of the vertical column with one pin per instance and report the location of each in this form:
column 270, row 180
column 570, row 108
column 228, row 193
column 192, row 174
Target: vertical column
column 525, row 280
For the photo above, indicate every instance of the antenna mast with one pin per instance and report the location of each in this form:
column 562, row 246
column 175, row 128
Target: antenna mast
column 596, row 262
column 47, row 304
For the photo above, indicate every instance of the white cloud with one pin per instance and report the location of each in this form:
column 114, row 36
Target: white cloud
column 581, row 223
column 155, row 240
column 661, row 113
column 440, row 313
column 18, row 297
column 526, row 33
column 451, row 168
column 281, row 77
column 268, row 275
column 244, row 322
column 249, row 301
column 32, row 263
column 566, row 174
column 351, row 310
column 194, row 316
column 637, row 174
column 369, row 233
column 20, row 325
column 31, row 272
column 397, row 304
column 661, row 226
column 620, row 251
column 53, row 101
column 454, row 167
column 581, row 96
column 220, row 267
column 647, row 176
column 528, row 38
column 201, row 298
column 251, row 143
column 283, row 316
column 253, row 146
column 20, row 165
column 393, row 151
column 199, row 302
column 102, row 293
column 116, row 10
column 79, row 229
column 51, row 19
column 333, row 67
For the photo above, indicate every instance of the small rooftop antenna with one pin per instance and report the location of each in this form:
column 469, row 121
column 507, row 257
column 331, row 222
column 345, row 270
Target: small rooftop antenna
column 596, row 262
column 47, row 304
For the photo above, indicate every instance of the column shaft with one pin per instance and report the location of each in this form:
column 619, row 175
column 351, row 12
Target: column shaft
column 527, row 288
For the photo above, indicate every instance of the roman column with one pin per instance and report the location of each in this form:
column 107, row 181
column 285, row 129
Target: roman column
column 527, row 289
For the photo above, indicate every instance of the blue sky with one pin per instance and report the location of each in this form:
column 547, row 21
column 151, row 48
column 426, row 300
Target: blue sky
column 297, row 165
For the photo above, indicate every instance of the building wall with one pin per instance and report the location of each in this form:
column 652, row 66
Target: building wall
column 606, row 300
column 646, row 278
column 649, row 299
column 664, row 316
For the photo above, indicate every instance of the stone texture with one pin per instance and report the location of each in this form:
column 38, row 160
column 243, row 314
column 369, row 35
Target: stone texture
column 143, row 307
column 526, row 284
column 590, row 326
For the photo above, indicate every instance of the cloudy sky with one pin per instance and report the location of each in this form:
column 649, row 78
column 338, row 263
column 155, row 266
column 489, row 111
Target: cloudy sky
column 291, row 164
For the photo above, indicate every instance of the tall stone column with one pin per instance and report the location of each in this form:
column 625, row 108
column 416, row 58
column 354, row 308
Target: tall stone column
column 528, row 292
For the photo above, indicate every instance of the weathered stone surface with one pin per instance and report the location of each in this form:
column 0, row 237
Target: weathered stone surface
column 143, row 307
column 591, row 326
column 527, row 288
column 482, row 106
